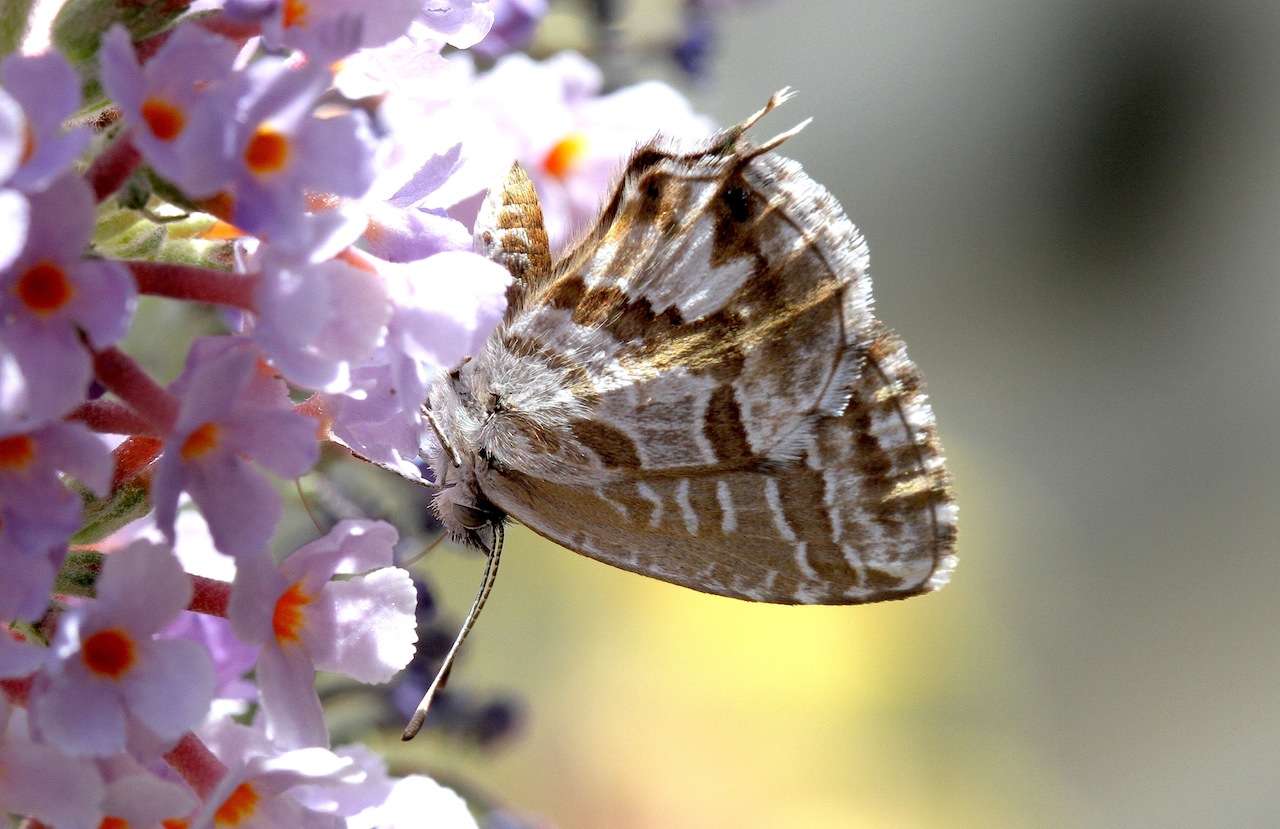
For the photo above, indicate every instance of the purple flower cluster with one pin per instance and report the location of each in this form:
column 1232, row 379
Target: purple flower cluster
column 334, row 154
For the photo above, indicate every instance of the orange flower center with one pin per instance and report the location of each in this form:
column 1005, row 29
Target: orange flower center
column 16, row 451
column 44, row 287
column 287, row 619
column 108, row 652
column 566, row 155
column 202, row 440
column 268, row 151
column 295, row 13
column 240, row 804
column 113, row 823
column 164, row 119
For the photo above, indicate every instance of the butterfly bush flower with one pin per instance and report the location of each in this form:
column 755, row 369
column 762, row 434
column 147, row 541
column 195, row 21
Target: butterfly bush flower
column 362, row 626
column 41, row 781
column 49, row 296
column 569, row 138
column 327, row 28
column 48, row 90
column 381, row 801
column 265, row 787
column 15, row 211
column 316, row 316
column 231, row 410
column 176, row 104
column 111, row 674
column 38, row 513
column 311, row 169
column 134, row 797
column 514, row 24
column 443, row 309
column 280, row 150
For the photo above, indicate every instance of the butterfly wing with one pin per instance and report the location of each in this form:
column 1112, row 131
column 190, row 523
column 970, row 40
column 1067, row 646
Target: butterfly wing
column 735, row 419
column 864, row 514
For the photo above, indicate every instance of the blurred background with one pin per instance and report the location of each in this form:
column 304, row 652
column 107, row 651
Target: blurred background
column 1072, row 212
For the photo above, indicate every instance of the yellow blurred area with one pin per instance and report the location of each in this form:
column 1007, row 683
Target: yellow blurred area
column 654, row 706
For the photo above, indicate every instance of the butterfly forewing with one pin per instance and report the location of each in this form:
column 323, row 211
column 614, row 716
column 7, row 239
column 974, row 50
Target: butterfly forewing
column 698, row 391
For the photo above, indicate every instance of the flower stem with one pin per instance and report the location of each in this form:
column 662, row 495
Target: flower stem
column 119, row 373
column 196, row 764
column 191, row 282
column 110, row 169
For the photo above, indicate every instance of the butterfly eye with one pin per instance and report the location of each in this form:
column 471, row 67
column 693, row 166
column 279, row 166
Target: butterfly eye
column 471, row 518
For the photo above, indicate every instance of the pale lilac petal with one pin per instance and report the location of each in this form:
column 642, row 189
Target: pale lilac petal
column 142, row 563
column 417, row 795
column 167, row 484
column 286, row 682
column 258, row 586
column 304, row 766
column 118, row 69
column 240, row 504
column 373, row 420
column 468, row 299
column 49, row 91
column 143, row 800
column 44, row 373
column 13, row 127
column 343, row 143
column 39, row 518
column 171, row 690
column 352, row 546
column 213, row 378
column 376, row 625
column 283, row 441
column 356, row 796
column 460, row 23
column 28, row 578
column 514, row 25
column 15, row 220
column 40, row 781
column 232, row 658
column 429, row 178
column 18, row 658
column 63, row 214
column 315, row 320
column 83, row 455
column 106, row 296
column 413, row 233
column 84, row 719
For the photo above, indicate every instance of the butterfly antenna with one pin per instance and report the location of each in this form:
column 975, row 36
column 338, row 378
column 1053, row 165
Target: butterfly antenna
column 423, row 552
column 490, row 575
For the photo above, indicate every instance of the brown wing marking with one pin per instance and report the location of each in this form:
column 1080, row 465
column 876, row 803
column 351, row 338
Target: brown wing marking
column 865, row 514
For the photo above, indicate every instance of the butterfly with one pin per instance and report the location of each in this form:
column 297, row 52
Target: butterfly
column 698, row 391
